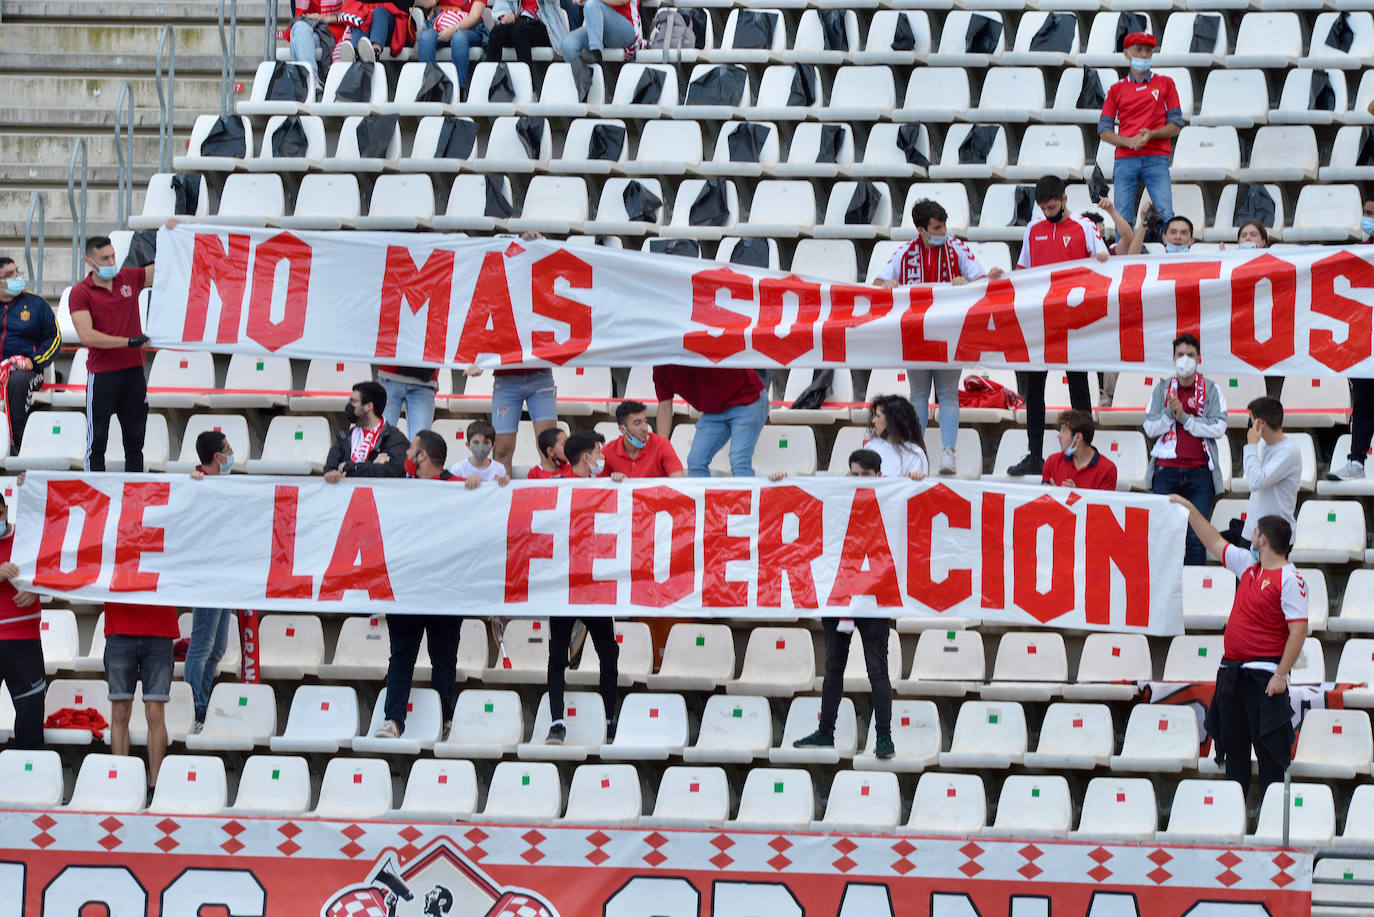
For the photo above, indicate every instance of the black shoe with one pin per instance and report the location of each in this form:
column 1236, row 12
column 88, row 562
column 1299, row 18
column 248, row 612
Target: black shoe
column 1030, row 465
column 883, row 748
column 590, row 57
column 610, row 729
column 557, row 733
column 817, row 739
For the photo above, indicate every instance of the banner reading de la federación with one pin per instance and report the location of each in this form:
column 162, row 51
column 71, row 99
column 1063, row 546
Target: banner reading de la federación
column 684, row 546
column 435, row 299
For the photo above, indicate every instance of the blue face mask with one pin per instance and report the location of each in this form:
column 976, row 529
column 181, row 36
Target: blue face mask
column 106, row 271
column 637, row 443
column 1367, row 225
column 1073, row 447
column 14, row 285
column 1246, row 245
column 1174, row 249
column 938, row 240
column 1140, row 64
column 228, row 464
column 1254, row 554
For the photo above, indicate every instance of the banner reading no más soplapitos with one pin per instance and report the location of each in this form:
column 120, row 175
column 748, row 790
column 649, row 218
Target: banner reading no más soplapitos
column 700, row 547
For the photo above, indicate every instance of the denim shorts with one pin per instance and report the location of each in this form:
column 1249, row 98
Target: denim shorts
column 131, row 659
column 511, row 393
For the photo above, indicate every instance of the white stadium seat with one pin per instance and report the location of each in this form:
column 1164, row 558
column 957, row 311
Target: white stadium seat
column 1030, row 666
column 1033, row 806
column 240, row 717
column 988, row 735
column 439, row 791
column 916, row 735
column 190, row 785
column 778, row 662
column 948, row 804
column 322, row 719
column 947, row 663
column 1118, row 809
column 584, row 715
column 734, row 729
column 487, row 723
column 1012, row 94
column 422, row 730
column 936, row 94
column 1326, row 213
column 110, row 783
column 30, row 779
column 1311, row 816
column 802, row 718
column 354, row 788
column 775, row 799
column 479, row 102
column 862, row 801
column 604, row 794
column 1267, row 40
column 193, row 161
column 1159, row 738
column 1109, row 665
column 1205, row 812
column 330, row 105
column 523, row 791
column 691, row 797
column 1311, row 97
column 649, row 727
column 1329, row 531
column 273, row 785
column 1074, row 737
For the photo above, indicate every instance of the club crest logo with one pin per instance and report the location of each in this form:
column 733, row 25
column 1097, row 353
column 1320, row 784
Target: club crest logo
column 126, row 290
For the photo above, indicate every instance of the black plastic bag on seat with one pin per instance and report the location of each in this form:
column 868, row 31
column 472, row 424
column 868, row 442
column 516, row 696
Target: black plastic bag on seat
column 1206, row 27
column 746, row 142
column 696, row 18
column 531, row 134
column 1366, row 154
column 186, row 190
column 982, row 36
column 641, row 204
column 1090, row 94
column 497, row 204
column 1341, row 35
column 1097, row 185
column 835, row 35
column 722, row 85
column 288, row 83
column 832, row 143
column 908, row 140
column 356, row 85
column 752, row 252
column 1056, row 33
column 457, row 138
column 1321, row 95
column 435, row 86
column 712, row 206
column 977, row 145
column 582, row 82
column 1126, row 24
column 142, row 249
column 686, row 248
column 1023, row 204
column 374, row 135
column 502, row 87
column 607, row 142
column 903, row 39
column 754, row 30
column 649, row 89
column 863, row 204
column 813, row 396
column 1253, row 202
column 225, row 138
column 288, row 141
column 804, row 91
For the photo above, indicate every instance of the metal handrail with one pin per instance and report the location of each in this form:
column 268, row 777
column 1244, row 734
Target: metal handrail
column 269, row 51
column 35, row 274
column 166, row 100
column 78, row 216
column 1287, row 792
column 124, row 182
column 228, row 48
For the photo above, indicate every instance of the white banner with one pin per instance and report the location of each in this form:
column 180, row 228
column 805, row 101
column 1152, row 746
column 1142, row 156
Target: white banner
column 696, row 547
column 437, row 299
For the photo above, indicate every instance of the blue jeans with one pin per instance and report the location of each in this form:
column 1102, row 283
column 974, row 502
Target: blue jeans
column 1195, row 485
column 209, row 639
column 511, row 393
column 946, row 385
column 741, row 425
column 1130, row 172
column 379, row 33
column 129, row 660
column 305, row 44
column 418, row 400
column 601, row 26
column 406, row 632
column 463, row 40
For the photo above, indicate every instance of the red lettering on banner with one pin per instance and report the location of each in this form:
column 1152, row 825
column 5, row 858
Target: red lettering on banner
column 283, row 582
column 275, row 335
column 427, row 288
column 1132, row 310
column 586, row 546
column 921, row 511
column 866, row 566
column 706, row 286
column 545, row 301
column 490, row 323
column 1061, row 317
column 844, row 314
column 1187, row 278
column 645, row 588
column 1109, row 544
column 1026, row 522
column 1322, row 344
column 135, row 539
column 1283, row 286
column 359, row 560
column 63, row 497
column 523, row 544
column 990, row 326
column 994, row 564
column 773, row 296
column 226, row 269
column 719, row 547
column 916, row 347
column 791, row 559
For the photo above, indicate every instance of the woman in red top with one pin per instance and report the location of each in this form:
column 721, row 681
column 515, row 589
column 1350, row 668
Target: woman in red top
column 458, row 22
column 552, row 463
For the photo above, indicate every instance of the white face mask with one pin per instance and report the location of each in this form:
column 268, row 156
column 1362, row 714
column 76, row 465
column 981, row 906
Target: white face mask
column 1186, row 366
column 597, row 468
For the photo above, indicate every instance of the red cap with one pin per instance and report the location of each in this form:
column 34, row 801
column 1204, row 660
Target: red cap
column 1139, row 38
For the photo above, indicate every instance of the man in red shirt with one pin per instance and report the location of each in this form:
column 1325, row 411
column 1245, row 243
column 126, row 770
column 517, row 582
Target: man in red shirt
column 1060, row 236
column 104, row 310
column 426, row 456
column 1140, row 116
column 138, row 647
column 21, row 646
column 733, row 407
column 1264, row 637
column 639, row 452
column 1078, row 463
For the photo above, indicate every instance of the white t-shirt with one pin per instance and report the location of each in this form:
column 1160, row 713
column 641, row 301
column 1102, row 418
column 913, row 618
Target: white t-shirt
column 1273, row 473
column 899, row 461
column 465, row 470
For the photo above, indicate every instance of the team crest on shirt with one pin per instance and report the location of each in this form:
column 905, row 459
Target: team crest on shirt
column 1155, row 93
column 126, row 290
column 23, row 315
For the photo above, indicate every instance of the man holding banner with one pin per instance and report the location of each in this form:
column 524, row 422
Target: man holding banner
column 370, row 447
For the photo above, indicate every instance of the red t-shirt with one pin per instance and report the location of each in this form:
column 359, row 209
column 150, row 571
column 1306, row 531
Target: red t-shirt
column 537, row 473
column 1141, row 106
column 630, row 10
column 1098, row 474
column 1071, row 239
column 656, row 460
column 708, row 390
column 530, row 8
column 113, row 311
column 15, row 623
column 324, row 8
column 141, row 620
column 1190, row 451
column 1266, row 602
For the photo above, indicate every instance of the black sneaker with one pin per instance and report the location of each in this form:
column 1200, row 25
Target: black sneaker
column 590, row 57
column 1030, row 465
column 883, row 748
column 557, row 733
column 610, row 729
column 817, row 739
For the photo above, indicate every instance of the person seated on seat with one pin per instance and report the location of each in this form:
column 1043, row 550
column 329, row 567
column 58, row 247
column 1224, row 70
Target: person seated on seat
column 315, row 34
column 897, row 438
column 553, row 463
column 639, row 452
column 458, row 23
column 479, row 466
column 370, row 447
column 524, row 25
column 604, row 22
column 29, row 339
column 1078, row 463
column 426, row 456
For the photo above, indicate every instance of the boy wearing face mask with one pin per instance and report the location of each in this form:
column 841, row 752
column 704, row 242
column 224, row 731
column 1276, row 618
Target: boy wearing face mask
column 209, row 626
column 1078, row 464
column 29, row 339
column 479, row 466
column 583, row 452
column 1187, row 414
column 1140, row 116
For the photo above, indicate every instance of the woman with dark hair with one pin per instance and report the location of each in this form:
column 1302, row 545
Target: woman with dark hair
column 1253, row 235
column 897, row 438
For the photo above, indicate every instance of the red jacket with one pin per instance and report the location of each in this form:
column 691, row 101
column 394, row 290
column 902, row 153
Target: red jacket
column 359, row 15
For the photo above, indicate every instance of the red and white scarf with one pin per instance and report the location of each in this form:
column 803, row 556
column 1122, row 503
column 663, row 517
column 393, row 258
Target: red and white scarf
column 1166, row 447
column 365, row 441
column 913, row 263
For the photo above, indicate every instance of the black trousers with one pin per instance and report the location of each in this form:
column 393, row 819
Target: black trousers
column 602, row 633
column 122, row 392
column 522, row 34
column 1247, row 717
column 874, row 633
column 405, row 633
column 19, row 398
column 1033, row 390
column 1361, row 418
column 21, row 669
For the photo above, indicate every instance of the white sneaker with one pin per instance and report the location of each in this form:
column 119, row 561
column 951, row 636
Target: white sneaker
column 948, row 462
column 1353, row 471
column 389, row 729
column 366, row 51
column 346, row 55
column 418, row 18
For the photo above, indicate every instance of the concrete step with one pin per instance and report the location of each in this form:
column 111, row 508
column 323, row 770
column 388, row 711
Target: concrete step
column 122, row 38
column 53, row 175
column 55, row 149
column 138, row 61
column 36, row 88
column 91, row 120
column 159, row 12
column 101, row 204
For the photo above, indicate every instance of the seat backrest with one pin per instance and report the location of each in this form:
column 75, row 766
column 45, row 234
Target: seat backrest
column 1015, row 87
column 695, row 647
column 248, row 195
column 769, row 152
column 1031, row 656
column 1327, row 206
column 864, row 797
column 778, row 652
column 556, row 197
column 441, row 785
column 604, row 793
column 401, row 196
column 948, row 804
column 1212, row 806
column 278, row 784
column 842, row 195
column 355, row 788
column 779, row 36
column 954, row 37
column 311, row 127
column 411, row 80
column 1113, row 657
column 1234, row 91
column 863, row 86
column 778, row 796
column 827, row 259
column 1336, row 737
column 746, row 92
column 775, row 88
column 110, row 783
column 736, row 721
column 698, row 793
column 883, row 29
column 805, row 712
column 652, row 720
column 949, row 655
column 687, row 193
column 424, row 718
column 1161, row 731
column 322, row 712
column 584, row 715
column 559, row 88
column 630, row 76
column 1102, row 35
column 242, row 711
column 916, row 729
column 479, row 87
column 953, row 196
column 1193, row 658
column 811, row 33
column 191, row 785
column 525, row 789
column 1120, row 805
column 380, row 90
column 1077, row 729
column 1311, row 813
column 30, row 779
column 941, row 88
column 295, row 639
column 806, row 143
column 1035, row 802
column 483, row 716
column 294, row 438
column 990, row 727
